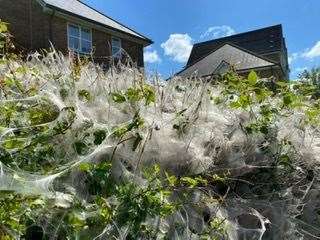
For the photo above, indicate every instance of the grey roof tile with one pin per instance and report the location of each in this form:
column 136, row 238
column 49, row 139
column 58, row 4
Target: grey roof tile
column 238, row 58
column 81, row 9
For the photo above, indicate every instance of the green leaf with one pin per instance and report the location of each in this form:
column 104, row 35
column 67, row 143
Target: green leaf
column 9, row 82
column 63, row 93
column 288, row 99
column 285, row 160
column 244, row 101
column 134, row 95
column 252, row 78
column 2, row 44
column 118, row 97
column 235, row 104
column 85, row 167
column 77, row 221
column 172, row 180
column 191, row 182
column 22, row 70
column 80, row 147
column 149, row 94
column 3, row 27
column 217, row 100
column 120, row 131
column 14, row 143
column 84, row 95
column 99, row 136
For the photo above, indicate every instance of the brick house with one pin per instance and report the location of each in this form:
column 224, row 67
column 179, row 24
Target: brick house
column 263, row 50
column 70, row 25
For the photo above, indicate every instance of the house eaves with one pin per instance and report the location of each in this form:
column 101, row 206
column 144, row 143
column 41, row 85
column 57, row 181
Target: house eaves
column 80, row 10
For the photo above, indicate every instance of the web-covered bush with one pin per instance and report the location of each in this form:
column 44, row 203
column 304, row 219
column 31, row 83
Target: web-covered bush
column 92, row 154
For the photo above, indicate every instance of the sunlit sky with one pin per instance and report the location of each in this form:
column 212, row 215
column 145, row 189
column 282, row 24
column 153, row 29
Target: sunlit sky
column 174, row 25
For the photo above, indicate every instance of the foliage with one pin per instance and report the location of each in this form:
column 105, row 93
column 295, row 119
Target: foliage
column 142, row 92
column 5, row 38
column 312, row 76
column 17, row 211
column 312, row 79
column 141, row 202
column 271, row 102
column 137, row 204
column 3, row 32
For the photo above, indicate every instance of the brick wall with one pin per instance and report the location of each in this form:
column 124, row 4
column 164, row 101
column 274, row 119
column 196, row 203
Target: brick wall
column 33, row 29
column 134, row 50
column 38, row 26
column 17, row 15
column 58, row 34
column 101, row 43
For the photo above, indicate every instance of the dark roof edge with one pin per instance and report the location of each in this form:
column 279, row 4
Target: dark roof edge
column 143, row 38
column 276, row 65
column 258, row 68
column 239, row 34
column 243, row 70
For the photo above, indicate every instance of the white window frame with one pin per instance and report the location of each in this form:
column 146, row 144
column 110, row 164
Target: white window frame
column 117, row 54
column 80, row 39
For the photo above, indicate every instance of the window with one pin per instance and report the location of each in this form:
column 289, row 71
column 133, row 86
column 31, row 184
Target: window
column 116, row 47
column 79, row 39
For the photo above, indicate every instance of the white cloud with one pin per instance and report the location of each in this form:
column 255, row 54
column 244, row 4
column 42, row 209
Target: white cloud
column 178, row 47
column 218, row 32
column 313, row 52
column 151, row 56
column 292, row 57
column 309, row 53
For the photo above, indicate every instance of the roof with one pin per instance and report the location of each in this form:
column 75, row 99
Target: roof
column 240, row 59
column 82, row 10
column 261, row 41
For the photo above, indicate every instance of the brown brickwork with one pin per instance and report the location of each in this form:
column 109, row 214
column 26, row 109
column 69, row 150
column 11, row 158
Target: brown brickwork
column 17, row 15
column 134, row 50
column 58, row 34
column 33, row 29
column 101, row 43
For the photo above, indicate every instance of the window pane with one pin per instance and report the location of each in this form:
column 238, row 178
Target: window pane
column 116, row 47
column 116, row 52
column 85, row 46
column 116, row 42
column 86, row 34
column 73, row 31
column 74, row 43
column 79, row 38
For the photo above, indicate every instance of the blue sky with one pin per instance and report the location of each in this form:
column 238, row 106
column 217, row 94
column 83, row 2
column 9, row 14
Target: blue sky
column 174, row 25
